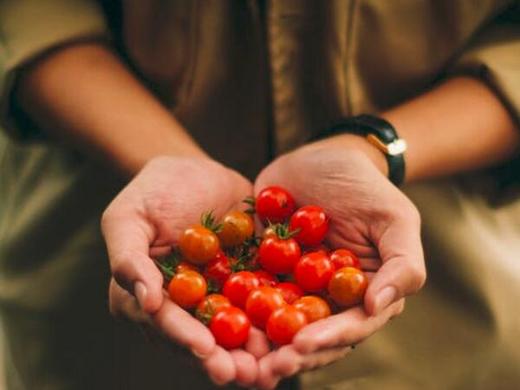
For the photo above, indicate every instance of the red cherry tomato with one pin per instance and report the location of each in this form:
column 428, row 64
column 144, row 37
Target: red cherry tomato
column 313, row 307
column 265, row 278
column 274, row 204
column 198, row 244
column 290, row 291
column 230, row 327
column 187, row 289
column 218, row 269
column 279, row 256
column 284, row 323
column 239, row 285
column 347, row 286
column 261, row 303
column 237, row 226
column 210, row 306
column 313, row 271
column 311, row 224
column 344, row 258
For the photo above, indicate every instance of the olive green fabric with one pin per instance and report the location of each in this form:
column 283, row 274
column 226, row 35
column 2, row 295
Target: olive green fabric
column 250, row 79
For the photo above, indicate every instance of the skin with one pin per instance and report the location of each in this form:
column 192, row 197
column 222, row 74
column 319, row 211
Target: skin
column 73, row 93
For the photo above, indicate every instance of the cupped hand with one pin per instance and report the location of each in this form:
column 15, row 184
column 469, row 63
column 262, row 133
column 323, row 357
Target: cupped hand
column 143, row 221
column 368, row 215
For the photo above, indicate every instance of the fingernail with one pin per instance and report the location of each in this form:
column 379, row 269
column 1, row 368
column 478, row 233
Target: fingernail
column 200, row 355
column 384, row 298
column 140, row 293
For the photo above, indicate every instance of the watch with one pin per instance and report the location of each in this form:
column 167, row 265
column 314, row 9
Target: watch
column 379, row 133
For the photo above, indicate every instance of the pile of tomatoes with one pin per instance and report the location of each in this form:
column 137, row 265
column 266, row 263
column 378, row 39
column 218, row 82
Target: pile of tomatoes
column 279, row 282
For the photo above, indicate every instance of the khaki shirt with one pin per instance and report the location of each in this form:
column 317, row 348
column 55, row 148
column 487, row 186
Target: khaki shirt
column 252, row 79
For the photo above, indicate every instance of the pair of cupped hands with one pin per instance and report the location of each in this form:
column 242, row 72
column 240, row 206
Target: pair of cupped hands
column 367, row 214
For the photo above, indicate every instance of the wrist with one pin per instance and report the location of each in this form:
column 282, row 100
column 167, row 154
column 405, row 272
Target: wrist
column 353, row 142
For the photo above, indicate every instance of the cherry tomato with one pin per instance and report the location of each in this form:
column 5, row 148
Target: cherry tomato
column 344, row 258
column 347, row 286
column 290, row 291
column 311, row 224
column 313, row 271
column 199, row 244
column 261, row 303
column 230, row 327
column 269, row 232
column 313, row 307
column 279, row 256
column 237, row 226
column 185, row 266
column 210, row 306
column 274, row 204
column 218, row 269
column 187, row 289
column 239, row 285
column 284, row 323
column 265, row 278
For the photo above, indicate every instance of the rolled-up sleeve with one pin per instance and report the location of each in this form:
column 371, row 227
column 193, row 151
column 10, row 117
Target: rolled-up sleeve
column 494, row 56
column 29, row 28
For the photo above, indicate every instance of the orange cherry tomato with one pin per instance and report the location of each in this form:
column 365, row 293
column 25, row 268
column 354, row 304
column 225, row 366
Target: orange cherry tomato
column 344, row 258
column 347, row 286
column 269, row 232
column 185, row 266
column 187, row 289
column 237, row 226
column 261, row 303
column 313, row 307
column 199, row 244
column 210, row 306
column 284, row 323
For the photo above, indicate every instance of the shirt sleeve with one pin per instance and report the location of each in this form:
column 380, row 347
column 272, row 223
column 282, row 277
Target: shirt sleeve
column 29, row 28
column 494, row 57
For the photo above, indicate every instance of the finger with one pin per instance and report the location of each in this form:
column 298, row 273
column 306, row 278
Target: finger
column 128, row 240
column 322, row 358
column 403, row 271
column 246, row 367
column 288, row 361
column 125, row 305
column 159, row 251
column 257, row 343
column 220, row 366
column 347, row 328
column 370, row 263
column 267, row 379
column 182, row 328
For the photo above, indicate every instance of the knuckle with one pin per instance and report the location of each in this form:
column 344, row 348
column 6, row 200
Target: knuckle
column 417, row 272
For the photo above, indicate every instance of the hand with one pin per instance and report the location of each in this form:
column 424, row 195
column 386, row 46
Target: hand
column 368, row 215
column 144, row 220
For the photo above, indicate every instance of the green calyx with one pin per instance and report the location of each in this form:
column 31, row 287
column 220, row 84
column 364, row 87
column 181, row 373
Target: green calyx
column 209, row 221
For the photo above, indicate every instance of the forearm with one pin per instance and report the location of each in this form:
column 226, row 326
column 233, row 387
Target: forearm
column 84, row 94
column 459, row 126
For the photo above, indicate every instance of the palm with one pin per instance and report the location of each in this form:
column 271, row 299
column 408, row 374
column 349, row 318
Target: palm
column 368, row 215
column 148, row 216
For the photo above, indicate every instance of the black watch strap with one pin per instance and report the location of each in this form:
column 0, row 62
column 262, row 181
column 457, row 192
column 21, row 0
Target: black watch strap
column 378, row 132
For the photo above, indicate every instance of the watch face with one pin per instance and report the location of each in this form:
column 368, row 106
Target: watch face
column 397, row 147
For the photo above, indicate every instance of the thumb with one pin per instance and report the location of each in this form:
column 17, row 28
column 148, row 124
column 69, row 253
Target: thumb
column 128, row 240
column 403, row 271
